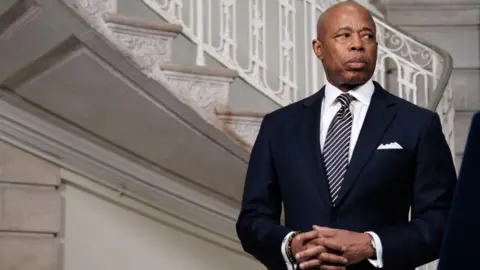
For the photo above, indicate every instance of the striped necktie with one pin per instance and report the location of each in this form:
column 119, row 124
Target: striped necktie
column 337, row 146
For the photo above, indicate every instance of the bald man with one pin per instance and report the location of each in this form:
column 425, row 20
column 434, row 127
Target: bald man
column 348, row 163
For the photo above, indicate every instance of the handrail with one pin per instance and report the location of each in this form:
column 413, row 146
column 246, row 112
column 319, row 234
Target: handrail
column 447, row 64
column 281, row 80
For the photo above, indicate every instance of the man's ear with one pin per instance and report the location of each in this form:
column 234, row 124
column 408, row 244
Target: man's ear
column 317, row 49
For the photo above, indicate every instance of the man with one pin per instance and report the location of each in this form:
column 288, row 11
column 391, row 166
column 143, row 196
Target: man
column 460, row 248
column 347, row 163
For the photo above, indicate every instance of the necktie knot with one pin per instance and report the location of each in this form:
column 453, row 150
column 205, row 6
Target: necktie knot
column 345, row 99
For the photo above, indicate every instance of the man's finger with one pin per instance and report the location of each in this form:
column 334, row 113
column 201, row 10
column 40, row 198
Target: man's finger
column 325, row 231
column 332, row 245
column 310, row 264
column 308, row 253
column 307, row 236
column 331, row 267
column 329, row 258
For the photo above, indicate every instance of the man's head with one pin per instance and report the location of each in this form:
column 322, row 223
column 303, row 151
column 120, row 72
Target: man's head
column 346, row 44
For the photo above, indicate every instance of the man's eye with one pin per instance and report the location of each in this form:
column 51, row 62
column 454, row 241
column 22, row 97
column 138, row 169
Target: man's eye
column 369, row 36
column 346, row 35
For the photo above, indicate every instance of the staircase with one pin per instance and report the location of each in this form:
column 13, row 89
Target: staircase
column 171, row 93
column 453, row 25
column 208, row 56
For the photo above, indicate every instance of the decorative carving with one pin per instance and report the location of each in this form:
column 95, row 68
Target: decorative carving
column 202, row 93
column 98, row 7
column 228, row 44
column 150, row 47
column 248, row 130
column 404, row 46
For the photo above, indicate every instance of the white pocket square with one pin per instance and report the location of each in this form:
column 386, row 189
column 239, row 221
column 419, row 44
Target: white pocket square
column 393, row 145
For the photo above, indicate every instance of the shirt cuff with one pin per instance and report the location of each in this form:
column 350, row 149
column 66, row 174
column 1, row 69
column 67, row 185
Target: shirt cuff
column 377, row 244
column 290, row 265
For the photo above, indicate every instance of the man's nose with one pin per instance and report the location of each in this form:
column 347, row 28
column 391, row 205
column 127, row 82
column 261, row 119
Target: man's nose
column 357, row 43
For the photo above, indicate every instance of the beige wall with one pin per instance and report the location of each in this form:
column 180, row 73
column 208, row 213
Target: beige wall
column 101, row 235
column 78, row 224
column 30, row 211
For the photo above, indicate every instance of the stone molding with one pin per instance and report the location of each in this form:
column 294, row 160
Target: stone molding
column 70, row 151
column 151, row 42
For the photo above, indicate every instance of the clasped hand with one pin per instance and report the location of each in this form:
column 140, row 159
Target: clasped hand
column 331, row 249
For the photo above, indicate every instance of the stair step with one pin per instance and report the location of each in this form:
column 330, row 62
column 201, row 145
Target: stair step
column 150, row 40
column 241, row 125
column 200, row 70
column 202, row 88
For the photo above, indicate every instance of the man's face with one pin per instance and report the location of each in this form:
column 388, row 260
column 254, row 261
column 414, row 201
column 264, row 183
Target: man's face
column 347, row 46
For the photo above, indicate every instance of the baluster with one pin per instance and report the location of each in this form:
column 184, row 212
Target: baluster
column 200, row 61
column 228, row 31
column 209, row 26
column 313, row 17
column 258, row 36
column 286, row 35
column 434, row 70
column 406, row 81
column 191, row 13
column 308, row 89
column 175, row 8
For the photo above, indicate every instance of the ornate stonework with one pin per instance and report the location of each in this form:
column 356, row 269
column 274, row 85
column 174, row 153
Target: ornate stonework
column 148, row 46
column 203, row 93
column 151, row 47
column 98, row 7
column 94, row 13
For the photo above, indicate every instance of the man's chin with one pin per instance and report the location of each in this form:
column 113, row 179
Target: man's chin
column 356, row 78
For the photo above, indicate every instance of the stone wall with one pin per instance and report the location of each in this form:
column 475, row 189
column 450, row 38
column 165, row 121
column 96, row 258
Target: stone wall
column 30, row 211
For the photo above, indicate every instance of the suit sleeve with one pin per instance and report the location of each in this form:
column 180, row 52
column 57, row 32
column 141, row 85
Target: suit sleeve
column 258, row 225
column 419, row 241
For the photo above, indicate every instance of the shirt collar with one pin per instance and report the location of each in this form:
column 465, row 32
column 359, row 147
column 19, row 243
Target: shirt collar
column 362, row 93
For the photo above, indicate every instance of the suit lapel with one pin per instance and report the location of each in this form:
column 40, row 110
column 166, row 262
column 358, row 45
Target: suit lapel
column 379, row 116
column 313, row 109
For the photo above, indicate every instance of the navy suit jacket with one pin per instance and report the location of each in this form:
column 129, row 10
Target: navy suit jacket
column 379, row 187
column 460, row 249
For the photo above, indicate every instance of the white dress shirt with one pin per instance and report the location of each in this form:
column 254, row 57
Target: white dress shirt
column 358, row 107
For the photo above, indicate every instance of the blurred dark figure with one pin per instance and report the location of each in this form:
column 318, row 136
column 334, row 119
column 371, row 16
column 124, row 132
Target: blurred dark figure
column 460, row 247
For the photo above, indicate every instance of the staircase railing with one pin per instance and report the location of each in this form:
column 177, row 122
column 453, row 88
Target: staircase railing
column 279, row 63
column 441, row 98
column 269, row 44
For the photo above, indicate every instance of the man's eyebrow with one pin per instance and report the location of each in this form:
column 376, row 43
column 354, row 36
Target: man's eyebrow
column 348, row 28
column 367, row 29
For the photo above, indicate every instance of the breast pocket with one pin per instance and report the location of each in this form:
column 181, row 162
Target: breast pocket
column 389, row 173
column 393, row 161
column 393, row 156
